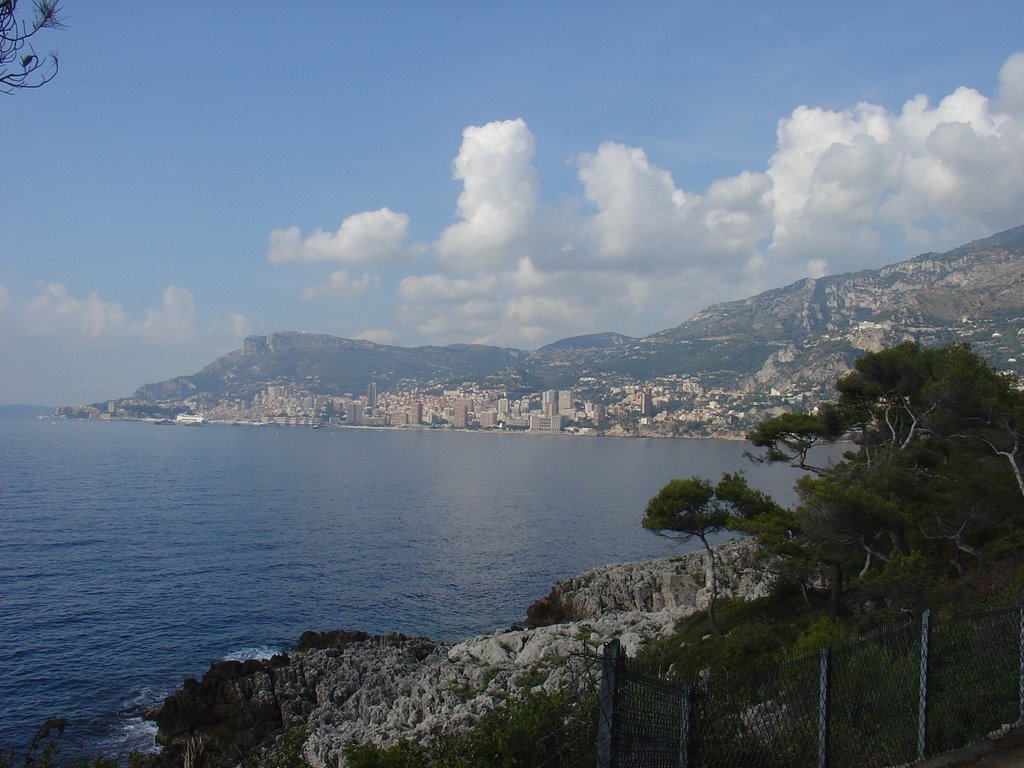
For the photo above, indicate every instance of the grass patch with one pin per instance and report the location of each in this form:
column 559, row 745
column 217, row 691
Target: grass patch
column 753, row 632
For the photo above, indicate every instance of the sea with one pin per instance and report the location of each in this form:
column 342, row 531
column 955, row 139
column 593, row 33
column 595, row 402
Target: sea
column 133, row 555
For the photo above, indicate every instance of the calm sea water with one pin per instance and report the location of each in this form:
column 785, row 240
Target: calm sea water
column 133, row 555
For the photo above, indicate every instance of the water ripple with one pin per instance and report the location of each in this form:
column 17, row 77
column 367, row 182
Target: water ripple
column 131, row 556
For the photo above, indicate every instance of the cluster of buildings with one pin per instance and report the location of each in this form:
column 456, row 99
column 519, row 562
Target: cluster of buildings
column 674, row 406
column 468, row 407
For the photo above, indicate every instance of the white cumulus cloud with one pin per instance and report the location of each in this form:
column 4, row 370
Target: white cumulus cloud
column 633, row 249
column 439, row 287
column 173, row 322
column 228, row 332
column 379, row 336
column 639, row 206
column 644, row 222
column 371, row 237
column 54, row 312
column 340, row 285
column 499, row 190
column 845, row 180
column 1011, row 86
column 238, row 325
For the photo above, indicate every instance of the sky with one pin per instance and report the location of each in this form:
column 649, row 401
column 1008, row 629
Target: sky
column 478, row 172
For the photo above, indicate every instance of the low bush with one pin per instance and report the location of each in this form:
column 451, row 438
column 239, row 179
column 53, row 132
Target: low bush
column 540, row 728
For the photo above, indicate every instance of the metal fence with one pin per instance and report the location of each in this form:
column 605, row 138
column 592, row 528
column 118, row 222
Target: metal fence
column 572, row 731
column 912, row 690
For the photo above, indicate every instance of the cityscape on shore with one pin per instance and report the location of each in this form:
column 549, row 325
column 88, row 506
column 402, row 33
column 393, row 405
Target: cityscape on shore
column 678, row 406
column 718, row 374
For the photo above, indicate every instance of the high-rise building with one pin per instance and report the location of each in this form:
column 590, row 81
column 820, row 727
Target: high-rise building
column 646, row 403
column 565, row 399
column 549, row 402
column 416, row 413
column 353, row 413
column 371, row 395
column 460, row 416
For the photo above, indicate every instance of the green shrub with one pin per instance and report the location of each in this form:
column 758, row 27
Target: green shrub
column 550, row 729
column 822, row 631
column 402, row 755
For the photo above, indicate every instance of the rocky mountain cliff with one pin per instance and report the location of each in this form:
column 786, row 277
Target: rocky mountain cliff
column 334, row 366
column 818, row 326
column 797, row 338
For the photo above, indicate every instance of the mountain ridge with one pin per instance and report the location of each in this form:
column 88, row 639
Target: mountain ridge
column 792, row 338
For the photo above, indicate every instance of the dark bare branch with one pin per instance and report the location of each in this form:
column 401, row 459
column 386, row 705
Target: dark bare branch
column 20, row 66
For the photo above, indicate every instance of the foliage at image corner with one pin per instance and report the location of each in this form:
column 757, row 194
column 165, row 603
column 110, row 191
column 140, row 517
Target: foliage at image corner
column 43, row 751
column 21, row 68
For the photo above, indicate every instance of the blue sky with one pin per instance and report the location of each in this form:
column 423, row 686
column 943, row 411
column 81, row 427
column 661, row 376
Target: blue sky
column 445, row 172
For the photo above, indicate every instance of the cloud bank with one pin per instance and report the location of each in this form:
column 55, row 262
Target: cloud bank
column 635, row 251
column 54, row 312
column 91, row 322
column 373, row 237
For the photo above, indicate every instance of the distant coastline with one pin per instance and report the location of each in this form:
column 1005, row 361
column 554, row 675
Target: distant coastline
column 568, row 432
column 22, row 410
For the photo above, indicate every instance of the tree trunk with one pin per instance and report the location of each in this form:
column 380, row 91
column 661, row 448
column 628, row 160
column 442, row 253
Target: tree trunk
column 712, row 620
column 836, row 592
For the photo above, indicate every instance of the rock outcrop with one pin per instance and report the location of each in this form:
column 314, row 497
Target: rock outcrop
column 656, row 585
column 347, row 687
column 234, row 708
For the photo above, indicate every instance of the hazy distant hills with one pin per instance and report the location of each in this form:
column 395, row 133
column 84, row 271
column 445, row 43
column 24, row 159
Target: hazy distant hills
column 591, row 341
column 795, row 338
column 22, row 411
column 332, row 365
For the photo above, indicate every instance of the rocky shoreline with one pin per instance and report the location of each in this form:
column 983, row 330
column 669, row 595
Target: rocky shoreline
column 343, row 687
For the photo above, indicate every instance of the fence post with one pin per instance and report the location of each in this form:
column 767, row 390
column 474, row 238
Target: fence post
column 685, row 714
column 608, row 695
column 1022, row 662
column 922, row 696
column 824, row 684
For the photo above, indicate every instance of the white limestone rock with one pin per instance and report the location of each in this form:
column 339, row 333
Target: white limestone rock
column 391, row 688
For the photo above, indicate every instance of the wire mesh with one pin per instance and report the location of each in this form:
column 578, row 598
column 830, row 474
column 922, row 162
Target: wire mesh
column 652, row 722
column 570, row 741
column 974, row 681
column 881, row 700
column 764, row 720
column 874, row 699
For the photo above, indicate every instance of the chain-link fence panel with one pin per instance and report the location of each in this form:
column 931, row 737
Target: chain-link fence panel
column 873, row 699
column 907, row 691
column 653, row 722
column 974, row 678
column 764, row 720
column 569, row 740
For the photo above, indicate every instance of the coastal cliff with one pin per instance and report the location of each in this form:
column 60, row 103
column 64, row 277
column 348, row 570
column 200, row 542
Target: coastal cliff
column 344, row 687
